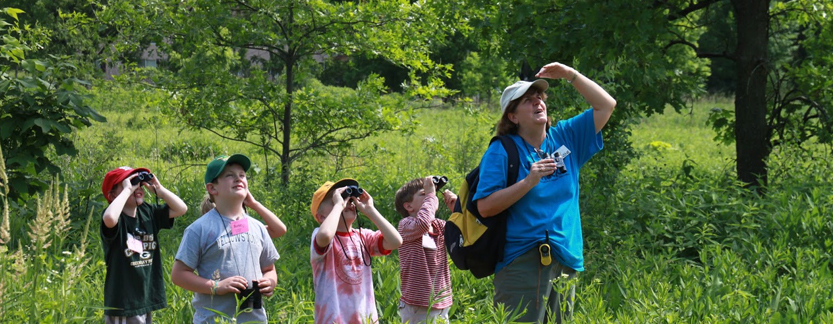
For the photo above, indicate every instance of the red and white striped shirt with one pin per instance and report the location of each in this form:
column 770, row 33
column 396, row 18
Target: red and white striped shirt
column 424, row 272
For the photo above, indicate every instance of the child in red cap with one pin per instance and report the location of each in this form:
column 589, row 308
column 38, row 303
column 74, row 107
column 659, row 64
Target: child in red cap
column 133, row 286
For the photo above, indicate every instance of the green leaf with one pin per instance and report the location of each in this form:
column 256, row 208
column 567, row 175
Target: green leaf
column 5, row 85
column 44, row 124
column 61, row 127
column 39, row 65
column 65, row 149
column 76, row 100
column 17, row 54
column 63, row 97
column 6, row 128
column 45, row 85
column 27, row 124
column 27, row 83
column 23, row 160
column 13, row 12
column 96, row 116
column 82, row 82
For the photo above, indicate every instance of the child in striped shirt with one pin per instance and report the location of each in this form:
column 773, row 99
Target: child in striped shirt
column 424, row 274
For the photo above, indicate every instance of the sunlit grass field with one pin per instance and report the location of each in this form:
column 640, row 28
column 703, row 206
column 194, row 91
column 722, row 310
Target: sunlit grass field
column 674, row 239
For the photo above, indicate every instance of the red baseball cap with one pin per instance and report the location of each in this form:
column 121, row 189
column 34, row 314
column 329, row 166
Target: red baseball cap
column 115, row 177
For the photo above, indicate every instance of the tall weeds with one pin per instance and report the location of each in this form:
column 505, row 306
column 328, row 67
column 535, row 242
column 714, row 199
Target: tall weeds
column 49, row 227
column 40, row 280
column 4, row 184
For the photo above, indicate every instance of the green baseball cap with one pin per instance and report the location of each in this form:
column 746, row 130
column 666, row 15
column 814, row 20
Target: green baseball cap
column 219, row 163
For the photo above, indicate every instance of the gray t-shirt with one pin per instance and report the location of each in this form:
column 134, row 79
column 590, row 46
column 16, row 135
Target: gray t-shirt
column 209, row 247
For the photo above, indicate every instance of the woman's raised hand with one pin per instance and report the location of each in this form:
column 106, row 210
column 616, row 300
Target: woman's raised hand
column 556, row 70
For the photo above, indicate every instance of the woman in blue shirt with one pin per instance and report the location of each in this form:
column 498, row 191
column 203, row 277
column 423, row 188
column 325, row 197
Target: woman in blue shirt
column 543, row 235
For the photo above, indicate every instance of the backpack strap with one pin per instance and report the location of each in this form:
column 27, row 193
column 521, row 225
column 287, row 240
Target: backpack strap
column 499, row 221
column 512, row 154
column 473, row 178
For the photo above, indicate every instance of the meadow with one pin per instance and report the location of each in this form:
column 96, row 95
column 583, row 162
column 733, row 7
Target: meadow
column 672, row 238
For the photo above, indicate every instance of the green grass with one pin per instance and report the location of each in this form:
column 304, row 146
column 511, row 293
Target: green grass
column 674, row 239
column 672, row 138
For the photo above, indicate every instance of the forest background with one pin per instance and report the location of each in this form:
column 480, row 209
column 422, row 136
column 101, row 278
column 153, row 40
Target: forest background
column 709, row 204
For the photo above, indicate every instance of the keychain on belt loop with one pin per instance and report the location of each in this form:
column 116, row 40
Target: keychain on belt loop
column 545, row 251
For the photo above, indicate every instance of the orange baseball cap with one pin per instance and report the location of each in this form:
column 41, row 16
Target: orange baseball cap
column 325, row 191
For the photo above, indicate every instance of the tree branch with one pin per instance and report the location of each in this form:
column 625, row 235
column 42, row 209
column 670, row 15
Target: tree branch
column 223, row 136
column 274, row 17
column 298, row 152
column 813, row 104
column 691, row 8
column 697, row 51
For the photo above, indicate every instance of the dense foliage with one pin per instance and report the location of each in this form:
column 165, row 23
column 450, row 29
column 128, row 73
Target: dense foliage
column 657, row 53
column 40, row 105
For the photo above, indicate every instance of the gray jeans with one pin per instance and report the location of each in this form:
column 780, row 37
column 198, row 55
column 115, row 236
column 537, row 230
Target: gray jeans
column 138, row 319
column 419, row 315
column 543, row 291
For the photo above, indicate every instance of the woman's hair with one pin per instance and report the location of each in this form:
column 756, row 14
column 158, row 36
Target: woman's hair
column 207, row 203
column 506, row 126
column 406, row 194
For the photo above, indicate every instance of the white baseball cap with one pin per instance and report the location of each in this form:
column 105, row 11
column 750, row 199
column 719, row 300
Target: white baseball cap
column 518, row 89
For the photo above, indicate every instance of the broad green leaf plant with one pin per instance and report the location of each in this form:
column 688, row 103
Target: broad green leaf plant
column 42, row 104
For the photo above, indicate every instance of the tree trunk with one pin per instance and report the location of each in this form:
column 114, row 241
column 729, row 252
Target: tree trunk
column 289, row 60
column 287, row 124
column 752, row 145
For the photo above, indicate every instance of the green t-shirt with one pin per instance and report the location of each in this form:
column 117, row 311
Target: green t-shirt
column 134, row 284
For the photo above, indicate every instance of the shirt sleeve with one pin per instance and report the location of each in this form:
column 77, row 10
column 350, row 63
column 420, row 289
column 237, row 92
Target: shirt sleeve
column 580, row 131
column 162, row 216
column 108, row 234
column 373, row 242
column 439, row 226
column 413, row 228
column 189, row 248
column 269, row 254
column 317, row 252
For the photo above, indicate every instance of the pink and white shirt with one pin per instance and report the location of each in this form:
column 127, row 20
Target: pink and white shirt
column 342, row 278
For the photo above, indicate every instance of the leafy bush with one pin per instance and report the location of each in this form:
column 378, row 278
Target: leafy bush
column 42, row 104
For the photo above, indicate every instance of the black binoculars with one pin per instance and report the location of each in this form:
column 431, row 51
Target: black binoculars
column 352, row 191
column 439, row 181
column 250, row 297
column 559, row 162
column 556, row 157
column 143, row 176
